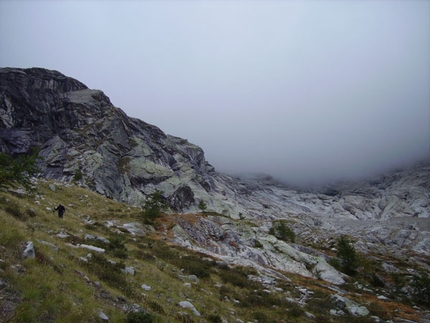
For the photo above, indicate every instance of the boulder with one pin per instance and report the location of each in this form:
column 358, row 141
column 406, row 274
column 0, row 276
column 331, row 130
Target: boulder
column 103, row 316
column 92, row 248
column 146, row 287
column 129, row 270
column 29, row 251
column 345, row 304
column 182, row 198
column 187, row 304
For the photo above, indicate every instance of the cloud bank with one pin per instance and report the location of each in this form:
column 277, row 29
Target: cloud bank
column 306, row 91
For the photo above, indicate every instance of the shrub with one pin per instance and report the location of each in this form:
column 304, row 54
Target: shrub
column 14, row 210
column 139, row 317
column 376, row 281
column 161, row 250
column 202, row 205
column 153, row 207
column 155, row 306
column 296, row 311
column 320, row 303
column 281, row 231
column 236, row 277
column 184, row 318
column 378, row 310
column 116, row 247
column 109, row 272
column 347, row 255
column 214, row 318
column 143, row 255
column 193, row 265
column 119, row 253
column 335, row 262
column 261, row 317
column 260, row 298
column 399, row 282
column 31, row 213
column 421, row 289
column 257, row 244
column 16, row 172
column 78, row 176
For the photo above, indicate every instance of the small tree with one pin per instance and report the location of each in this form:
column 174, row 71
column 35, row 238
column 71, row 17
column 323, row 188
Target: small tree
column 281, row 231
column 153, row 206
column 347, row 255
column 202, row 205
column 421, row 289
column 78, row 176
column 16, row 172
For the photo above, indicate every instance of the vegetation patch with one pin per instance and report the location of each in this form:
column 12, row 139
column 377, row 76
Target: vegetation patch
column 17, row 171
column 282, row 231
column 139, row 317
column 347, row 260
column 237, row 276
column 13, row 209
column 421, row 289
column 117, row 247
column 214, row 318
column 153, row 207
column 184, row 318
column 124, row 165
column 109, row 272
column 155, row 306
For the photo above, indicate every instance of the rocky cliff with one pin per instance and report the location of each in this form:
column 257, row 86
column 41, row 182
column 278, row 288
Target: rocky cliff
column 82, row 136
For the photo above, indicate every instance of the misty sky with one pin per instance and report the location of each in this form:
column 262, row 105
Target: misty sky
column 302, row 90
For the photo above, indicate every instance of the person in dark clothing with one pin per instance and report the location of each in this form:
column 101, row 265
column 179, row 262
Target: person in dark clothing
column 61, row 209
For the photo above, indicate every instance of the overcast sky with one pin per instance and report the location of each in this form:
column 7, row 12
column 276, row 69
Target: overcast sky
column 303, row 90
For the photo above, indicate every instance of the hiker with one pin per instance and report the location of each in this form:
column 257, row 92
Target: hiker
column 61, row 209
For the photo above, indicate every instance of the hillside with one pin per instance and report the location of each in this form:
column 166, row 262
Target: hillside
column 142, row 271
column 258, row 251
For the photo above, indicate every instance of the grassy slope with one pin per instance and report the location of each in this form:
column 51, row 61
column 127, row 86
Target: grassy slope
column 58, row 286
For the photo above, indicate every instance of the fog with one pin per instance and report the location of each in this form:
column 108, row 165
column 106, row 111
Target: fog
column 308, row 91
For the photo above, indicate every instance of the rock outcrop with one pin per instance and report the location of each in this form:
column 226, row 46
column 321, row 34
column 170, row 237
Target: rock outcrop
column 238, row 244
column 83, row 137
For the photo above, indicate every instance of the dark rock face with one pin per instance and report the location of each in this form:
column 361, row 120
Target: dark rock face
column 182, row 198
column 79, row 131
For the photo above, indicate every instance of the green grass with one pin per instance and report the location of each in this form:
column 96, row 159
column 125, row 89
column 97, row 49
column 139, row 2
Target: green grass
column 59, row 286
